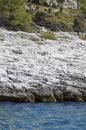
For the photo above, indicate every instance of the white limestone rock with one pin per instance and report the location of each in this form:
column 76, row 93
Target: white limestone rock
column 48, row 72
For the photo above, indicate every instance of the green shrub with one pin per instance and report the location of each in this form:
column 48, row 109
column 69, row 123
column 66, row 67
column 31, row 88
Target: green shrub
column 55, row 25
column 2, row 37
column 34, row 39
column 39, row 17
column 48, row 35
column 83, row 7
column 79, row 24
column 50, row 21
column 83, row 37
column 14, row 14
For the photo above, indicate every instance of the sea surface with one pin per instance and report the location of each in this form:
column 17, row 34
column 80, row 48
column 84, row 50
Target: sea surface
column 42, row 116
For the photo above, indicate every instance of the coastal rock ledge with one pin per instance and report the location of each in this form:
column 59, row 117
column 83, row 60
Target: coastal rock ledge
column 33, row 69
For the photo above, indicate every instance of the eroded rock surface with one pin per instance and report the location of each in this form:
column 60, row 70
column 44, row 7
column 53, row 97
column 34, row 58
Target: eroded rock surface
column 67, row 3
column 42, row 70
column 70, row 4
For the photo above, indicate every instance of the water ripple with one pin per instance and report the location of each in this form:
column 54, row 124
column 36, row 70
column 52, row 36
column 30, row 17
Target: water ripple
column 53, row 116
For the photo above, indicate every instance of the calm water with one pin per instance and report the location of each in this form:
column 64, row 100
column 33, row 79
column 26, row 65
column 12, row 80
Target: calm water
column 53, row 116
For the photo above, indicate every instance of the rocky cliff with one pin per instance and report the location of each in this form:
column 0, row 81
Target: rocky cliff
column 70, row 4
column 34, row 69
column 67, row 3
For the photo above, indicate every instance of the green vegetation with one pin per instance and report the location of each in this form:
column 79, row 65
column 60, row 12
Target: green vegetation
column 2, row 37
column 13, row 15
column 34, row 38
column 53, row 21
column 65, row 20
column 39, row 43
column 83, row 37
column 48, row 35
column 79, row 24
column 62, row 37
column 9, row 44
column 60, row 5
column 22, row 14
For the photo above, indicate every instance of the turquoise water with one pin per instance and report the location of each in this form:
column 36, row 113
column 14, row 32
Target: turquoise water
column 53, row 116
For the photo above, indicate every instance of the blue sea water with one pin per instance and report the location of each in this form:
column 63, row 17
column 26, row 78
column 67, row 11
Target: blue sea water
column 52, row 116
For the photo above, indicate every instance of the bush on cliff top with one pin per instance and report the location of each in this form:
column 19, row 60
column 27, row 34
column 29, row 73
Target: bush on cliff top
column 13, row 13
column 14, row 16
column 48, row 35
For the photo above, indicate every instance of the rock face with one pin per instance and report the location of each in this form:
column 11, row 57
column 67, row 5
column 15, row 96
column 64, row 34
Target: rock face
column 70, row 4
column 67, row 3
column 42, row 70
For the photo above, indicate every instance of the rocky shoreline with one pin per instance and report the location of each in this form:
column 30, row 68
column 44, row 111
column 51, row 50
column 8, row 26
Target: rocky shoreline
column 33, row 69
